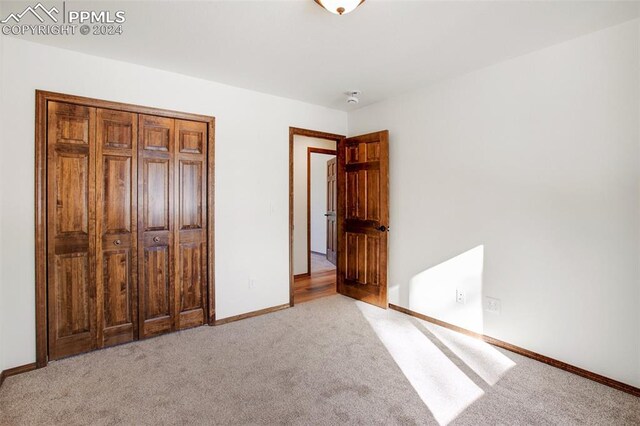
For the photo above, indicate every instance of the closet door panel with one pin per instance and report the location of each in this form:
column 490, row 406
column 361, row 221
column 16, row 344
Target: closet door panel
column 156, row 193
column 191, row 257
column 156, row 225
column 191, row 281
column 72, row 195
column 116, row 225
column 72, row 273
column 157, row 284
column 117, row 288
column 191, row 187
column 71, row 229
column 156, row 264
column 191, row 194
column 117, row 181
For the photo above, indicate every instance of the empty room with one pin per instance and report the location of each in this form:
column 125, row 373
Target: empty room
column 320, row 212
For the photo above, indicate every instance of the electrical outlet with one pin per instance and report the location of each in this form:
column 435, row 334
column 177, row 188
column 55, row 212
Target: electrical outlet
column 460, row 296
column 252, row 283
column 492, row 305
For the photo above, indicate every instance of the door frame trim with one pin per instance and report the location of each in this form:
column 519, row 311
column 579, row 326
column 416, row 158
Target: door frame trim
column 42, row 98
column 313, row 150
column 296, row 131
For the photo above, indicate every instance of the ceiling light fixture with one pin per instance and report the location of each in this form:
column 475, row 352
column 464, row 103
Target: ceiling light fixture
column 339, row 7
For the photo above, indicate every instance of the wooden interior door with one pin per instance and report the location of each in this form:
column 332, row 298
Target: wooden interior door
column 363, row 217
column 71, row 251
column 156, row 252
column 116, row 226
column 331, row 214
column 191, row 220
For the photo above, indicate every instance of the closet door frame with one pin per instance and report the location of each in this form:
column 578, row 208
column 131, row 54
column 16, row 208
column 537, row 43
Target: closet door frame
column 41, row 102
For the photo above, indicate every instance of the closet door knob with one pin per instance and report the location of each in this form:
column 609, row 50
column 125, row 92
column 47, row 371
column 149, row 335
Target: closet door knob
column 117, row 242
column 156, row 239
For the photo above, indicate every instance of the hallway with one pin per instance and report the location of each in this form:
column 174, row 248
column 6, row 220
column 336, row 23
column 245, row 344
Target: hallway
column 321, row 282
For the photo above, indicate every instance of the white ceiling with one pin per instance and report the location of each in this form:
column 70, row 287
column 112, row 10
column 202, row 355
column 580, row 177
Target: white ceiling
column 297, row 50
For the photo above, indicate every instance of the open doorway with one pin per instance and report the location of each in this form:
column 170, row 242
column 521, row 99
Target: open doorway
column 313, row 218
column 362, row 217
column 322, row 241
column 322, row 236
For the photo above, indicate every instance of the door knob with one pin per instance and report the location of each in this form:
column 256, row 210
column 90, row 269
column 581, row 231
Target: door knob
column 117, row 242
column 382, row 228
column 156, row 239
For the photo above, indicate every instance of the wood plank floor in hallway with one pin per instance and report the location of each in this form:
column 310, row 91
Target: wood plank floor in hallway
column 321, row 282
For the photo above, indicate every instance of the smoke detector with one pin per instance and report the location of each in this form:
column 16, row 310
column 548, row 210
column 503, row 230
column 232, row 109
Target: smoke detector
column 352, row 97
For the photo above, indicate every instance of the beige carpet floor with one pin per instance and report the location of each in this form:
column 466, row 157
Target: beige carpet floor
column 330, row 361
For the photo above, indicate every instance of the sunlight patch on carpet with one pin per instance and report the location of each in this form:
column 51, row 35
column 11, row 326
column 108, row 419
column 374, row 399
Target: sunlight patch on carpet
column 485, row 360
column 441, row 385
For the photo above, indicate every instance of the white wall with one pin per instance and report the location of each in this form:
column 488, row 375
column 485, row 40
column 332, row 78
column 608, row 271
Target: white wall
column 300, row 145
column 319, row 201
column 530, row 169
column 2, row 82
column 638, row 287
column 252, row 145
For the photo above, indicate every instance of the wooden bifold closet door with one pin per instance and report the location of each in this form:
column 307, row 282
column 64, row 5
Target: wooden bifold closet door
column 71, row 251
column 116, row 217
column 172, row 222
column 126, row 226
